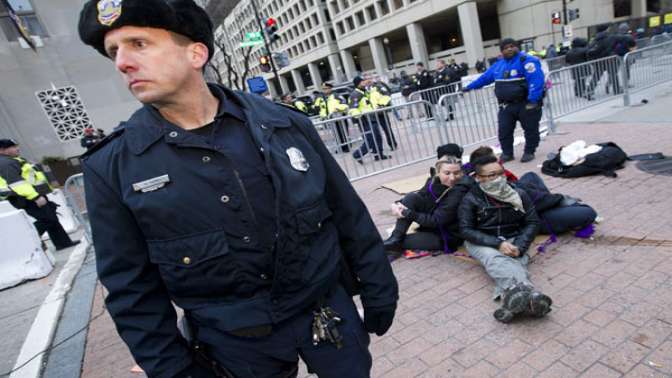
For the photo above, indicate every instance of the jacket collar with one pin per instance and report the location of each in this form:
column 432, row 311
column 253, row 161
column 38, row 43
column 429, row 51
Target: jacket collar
column 147, row 126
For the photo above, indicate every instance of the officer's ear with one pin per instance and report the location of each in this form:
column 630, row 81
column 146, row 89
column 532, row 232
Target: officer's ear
column 198, row 54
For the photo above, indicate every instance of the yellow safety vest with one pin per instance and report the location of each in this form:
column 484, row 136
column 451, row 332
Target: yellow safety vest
column 32, row 178
column 364, row 105
column 378, row 99
column 301, row 106
column 322, row 105
column 4, row 189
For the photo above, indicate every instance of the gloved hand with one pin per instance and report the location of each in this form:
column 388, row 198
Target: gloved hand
column 531, row 106
column 196, row 370
column 379, row 319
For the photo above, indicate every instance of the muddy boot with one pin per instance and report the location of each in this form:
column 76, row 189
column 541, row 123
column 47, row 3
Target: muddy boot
column 540, row 304
column 515, row 301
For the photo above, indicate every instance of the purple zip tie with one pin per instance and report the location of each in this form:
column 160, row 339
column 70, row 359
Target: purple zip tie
column 586, row 232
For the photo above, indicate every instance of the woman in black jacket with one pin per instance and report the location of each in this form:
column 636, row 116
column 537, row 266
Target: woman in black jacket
column 434, row 208
column 499, row 223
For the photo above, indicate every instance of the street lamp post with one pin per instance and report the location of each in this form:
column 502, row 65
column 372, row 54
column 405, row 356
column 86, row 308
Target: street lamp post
column 388, row 52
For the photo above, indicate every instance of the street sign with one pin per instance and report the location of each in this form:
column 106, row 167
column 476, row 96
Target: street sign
column 252, row 39
column 257, row 85
column 567, row 31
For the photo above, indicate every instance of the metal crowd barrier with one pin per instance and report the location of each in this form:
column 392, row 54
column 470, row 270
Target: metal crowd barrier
column 407, row 133
column 556, row 63
column 74, row 196
column 433, row 94
column 646, row 67
column 583, row 85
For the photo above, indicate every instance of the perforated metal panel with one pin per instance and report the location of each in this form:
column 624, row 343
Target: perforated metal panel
column 65, row 111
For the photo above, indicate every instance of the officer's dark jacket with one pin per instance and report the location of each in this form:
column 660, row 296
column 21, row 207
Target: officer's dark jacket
column 423, row 80
column 486, row 221
column 189, row 240
column 577, row 54
column 517, row 79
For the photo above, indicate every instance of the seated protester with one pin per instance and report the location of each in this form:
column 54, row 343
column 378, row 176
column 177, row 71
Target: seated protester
column 485, row 151
column 434, row 209
column 498, row 224
column 558, row 213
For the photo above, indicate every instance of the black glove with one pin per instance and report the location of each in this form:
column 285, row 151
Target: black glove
column 196, row 370
column 379, row 319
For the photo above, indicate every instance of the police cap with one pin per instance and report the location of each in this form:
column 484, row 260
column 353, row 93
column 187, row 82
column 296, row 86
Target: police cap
column 507, row 41
column 179, row 16
column 326, row 85
column 6, row 143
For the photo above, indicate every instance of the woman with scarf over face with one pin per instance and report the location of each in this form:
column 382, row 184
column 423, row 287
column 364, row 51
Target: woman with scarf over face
column 434, row 208
column 499, row 223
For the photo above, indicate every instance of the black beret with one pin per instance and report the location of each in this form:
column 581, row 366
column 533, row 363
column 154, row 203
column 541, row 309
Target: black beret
column 507, row 41
column 6, row 143
column 179, row 16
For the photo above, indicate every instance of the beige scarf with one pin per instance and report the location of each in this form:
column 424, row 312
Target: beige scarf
column 500, row 190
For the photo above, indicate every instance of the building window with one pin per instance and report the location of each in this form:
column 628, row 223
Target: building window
column 351, row 23
column 327, row 16
column 332, row 35
column 320, row 37
column 313, row 42
column 309, row 25
column 65, row 111
column 26, row 13
column 341, row 29
column 334, row 4
column 384, row 9
column 346, row 5
column 371, row 10
column 316, row 20
column 398, row 4
column 360, row 18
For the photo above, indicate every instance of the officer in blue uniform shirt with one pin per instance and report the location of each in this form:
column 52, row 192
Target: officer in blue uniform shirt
column 519, row 87
column 228, row 206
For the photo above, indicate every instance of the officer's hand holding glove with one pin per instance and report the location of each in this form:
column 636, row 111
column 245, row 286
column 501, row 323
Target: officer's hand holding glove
column 531, row 106
column 379, row 319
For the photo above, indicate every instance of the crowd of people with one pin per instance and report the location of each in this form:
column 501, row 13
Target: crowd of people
column 495, row 214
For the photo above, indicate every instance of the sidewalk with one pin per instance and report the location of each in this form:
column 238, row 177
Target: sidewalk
column 611, row 295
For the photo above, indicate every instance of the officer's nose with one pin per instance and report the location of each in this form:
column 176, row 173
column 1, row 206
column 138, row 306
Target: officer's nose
column 124, row 61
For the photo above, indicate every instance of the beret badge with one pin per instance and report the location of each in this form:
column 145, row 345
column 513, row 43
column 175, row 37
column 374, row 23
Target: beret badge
column 108, row 11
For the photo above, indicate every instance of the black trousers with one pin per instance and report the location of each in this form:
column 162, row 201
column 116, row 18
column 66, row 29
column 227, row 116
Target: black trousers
column 46, row 220
column 509, row 114
column 424, row 238
column 342, row 134
column 384, row 123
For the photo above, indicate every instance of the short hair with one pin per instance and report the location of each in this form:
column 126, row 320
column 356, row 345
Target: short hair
column 420, row 64
column 480, row 152
column 483, row 161
column 447, row 159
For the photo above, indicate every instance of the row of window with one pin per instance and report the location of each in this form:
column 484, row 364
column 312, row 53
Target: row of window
column 370, row 13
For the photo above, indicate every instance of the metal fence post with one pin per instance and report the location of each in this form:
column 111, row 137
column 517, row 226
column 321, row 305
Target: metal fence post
column 626, row 80
column 549, row 116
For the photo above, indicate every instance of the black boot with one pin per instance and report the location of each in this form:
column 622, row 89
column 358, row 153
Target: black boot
column 393, row 243
column 516, row 300
column 540, row 304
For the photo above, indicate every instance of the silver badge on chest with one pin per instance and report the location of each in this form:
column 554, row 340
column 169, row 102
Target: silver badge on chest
column 297, row 160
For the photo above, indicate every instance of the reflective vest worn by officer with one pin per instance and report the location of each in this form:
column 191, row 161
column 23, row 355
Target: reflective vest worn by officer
column 301, row 106
column 172, row 221
column 360, row 102
column 329, row 105
column 517, row 79
column 377, row 98
column 22, row 179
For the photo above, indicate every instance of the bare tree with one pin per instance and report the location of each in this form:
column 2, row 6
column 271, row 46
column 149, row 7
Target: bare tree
column 216, row 66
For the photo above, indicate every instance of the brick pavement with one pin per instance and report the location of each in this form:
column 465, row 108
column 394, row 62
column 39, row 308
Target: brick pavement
column 611, row 295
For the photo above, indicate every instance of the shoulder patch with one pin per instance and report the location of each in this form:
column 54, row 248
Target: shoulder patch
column 113, row 135
column 530, row 67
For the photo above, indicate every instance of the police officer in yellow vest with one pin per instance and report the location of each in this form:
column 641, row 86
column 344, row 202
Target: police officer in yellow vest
column 329, row 106
column 379, row 93
column 289, row 100
column 26, row 187
column 360, row 105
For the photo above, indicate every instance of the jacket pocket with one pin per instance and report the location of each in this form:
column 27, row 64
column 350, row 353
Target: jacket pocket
column 196, row 265
column 311, row 219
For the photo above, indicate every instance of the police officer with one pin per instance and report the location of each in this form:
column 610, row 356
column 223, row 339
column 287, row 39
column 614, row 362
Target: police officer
column 289, row 100
column 230, row 207
column 360, row 104
column 89, row 139
column 423, row 80
column 26, row 187
column 519, row 87
column 380, row 96
column 329, row 105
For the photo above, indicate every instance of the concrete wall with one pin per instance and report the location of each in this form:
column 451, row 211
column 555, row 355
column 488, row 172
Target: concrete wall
column 63, row 61
column 521, row 19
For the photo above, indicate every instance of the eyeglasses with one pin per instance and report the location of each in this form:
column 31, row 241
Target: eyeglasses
column 491, row 176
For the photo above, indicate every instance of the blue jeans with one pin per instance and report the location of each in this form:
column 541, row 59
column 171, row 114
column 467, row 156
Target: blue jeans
column 278, row 353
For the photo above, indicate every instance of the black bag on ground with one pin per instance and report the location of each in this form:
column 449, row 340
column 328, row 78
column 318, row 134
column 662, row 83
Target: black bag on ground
column 609, row 159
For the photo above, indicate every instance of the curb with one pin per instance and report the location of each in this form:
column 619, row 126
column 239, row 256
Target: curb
column 29, row 362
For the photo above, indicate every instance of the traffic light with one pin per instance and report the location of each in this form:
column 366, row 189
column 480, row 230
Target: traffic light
column 265, row 63
column 555, row 18
column 573, row 14
column 272, row 30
